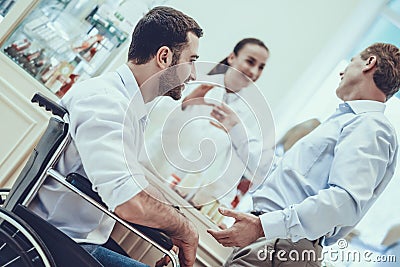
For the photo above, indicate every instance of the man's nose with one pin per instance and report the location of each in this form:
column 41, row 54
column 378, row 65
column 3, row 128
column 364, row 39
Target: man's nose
column 193, row 72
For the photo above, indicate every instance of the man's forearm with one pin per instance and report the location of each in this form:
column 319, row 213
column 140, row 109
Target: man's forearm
column 150, row 208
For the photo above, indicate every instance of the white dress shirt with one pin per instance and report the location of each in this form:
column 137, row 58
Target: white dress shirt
column 107, row 116
column 328, row 180
column 189, row 142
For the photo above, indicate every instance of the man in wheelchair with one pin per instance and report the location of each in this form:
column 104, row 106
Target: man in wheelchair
column 107, row 118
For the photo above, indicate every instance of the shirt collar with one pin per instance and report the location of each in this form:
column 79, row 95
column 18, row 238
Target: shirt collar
column 132, row 87
column 362, row 106
column 232, row 97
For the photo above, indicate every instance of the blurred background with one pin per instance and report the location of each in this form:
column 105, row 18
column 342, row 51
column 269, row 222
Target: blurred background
column 310, row 42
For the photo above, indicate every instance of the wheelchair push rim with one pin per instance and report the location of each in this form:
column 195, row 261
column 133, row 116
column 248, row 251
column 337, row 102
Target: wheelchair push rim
column 19, row 244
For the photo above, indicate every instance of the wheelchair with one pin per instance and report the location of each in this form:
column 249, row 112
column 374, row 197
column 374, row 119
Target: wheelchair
column 28, row 240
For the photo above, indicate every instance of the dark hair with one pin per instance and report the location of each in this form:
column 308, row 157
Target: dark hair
column 387, row 73
column 223, row 64
column 161, row 26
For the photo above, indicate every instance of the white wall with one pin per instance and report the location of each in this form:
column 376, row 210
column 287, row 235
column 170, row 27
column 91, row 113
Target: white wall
column 307, row 39
column 295, row 31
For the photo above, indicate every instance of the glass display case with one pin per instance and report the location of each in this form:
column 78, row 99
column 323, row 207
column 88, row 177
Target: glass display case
column 62, row 41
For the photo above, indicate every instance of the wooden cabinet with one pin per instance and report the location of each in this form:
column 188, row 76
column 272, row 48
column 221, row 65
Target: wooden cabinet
column 22, row 123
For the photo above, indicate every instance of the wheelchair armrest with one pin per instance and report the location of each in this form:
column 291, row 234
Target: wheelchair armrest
column 85, row 186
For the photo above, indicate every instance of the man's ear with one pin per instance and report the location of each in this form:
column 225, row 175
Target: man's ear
column 164, row 57
column 370, row 63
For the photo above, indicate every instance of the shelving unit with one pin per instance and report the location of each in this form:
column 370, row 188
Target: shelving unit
column 58, row 43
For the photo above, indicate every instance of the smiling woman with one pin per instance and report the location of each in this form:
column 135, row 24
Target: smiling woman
column 217, row 135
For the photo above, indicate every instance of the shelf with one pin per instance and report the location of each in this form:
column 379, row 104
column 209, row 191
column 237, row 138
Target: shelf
column 58, row 39
column 107, row 28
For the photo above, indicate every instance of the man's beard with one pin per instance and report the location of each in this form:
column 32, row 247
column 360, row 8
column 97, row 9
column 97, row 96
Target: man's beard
column 176, row 92
column 170, row 85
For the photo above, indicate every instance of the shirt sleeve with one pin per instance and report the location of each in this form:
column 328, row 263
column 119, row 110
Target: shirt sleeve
column 97, row 128
column 253, row 151
column 362, row 154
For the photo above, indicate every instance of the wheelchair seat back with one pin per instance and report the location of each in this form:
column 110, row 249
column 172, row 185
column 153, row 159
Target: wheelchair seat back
column 56, row 132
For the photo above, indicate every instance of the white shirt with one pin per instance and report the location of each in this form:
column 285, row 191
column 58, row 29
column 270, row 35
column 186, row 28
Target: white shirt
column 107, row 116
column 191, row 143
column 329, row 179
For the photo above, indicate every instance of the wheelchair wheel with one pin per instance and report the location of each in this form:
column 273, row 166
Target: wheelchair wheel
column 19, row 244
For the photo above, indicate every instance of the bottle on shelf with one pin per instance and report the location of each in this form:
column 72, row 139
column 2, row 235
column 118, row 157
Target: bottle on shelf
column 67, row 85
column 20, row 45
column 88, row 43
column 242, row 189
column 173, row 180
column 47, row 72
column 17, row 47
column 59, row 76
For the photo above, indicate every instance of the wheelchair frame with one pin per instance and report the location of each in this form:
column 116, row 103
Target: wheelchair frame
column 28, row 184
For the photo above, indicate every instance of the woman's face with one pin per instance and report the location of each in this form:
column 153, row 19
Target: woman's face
column 250, row 61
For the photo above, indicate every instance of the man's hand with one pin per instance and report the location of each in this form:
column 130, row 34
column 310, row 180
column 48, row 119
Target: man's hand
column 145, row 208
column 187, row 242
column 246, row 229
column 226, row 116
column 197, row 96
column 164, row 261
